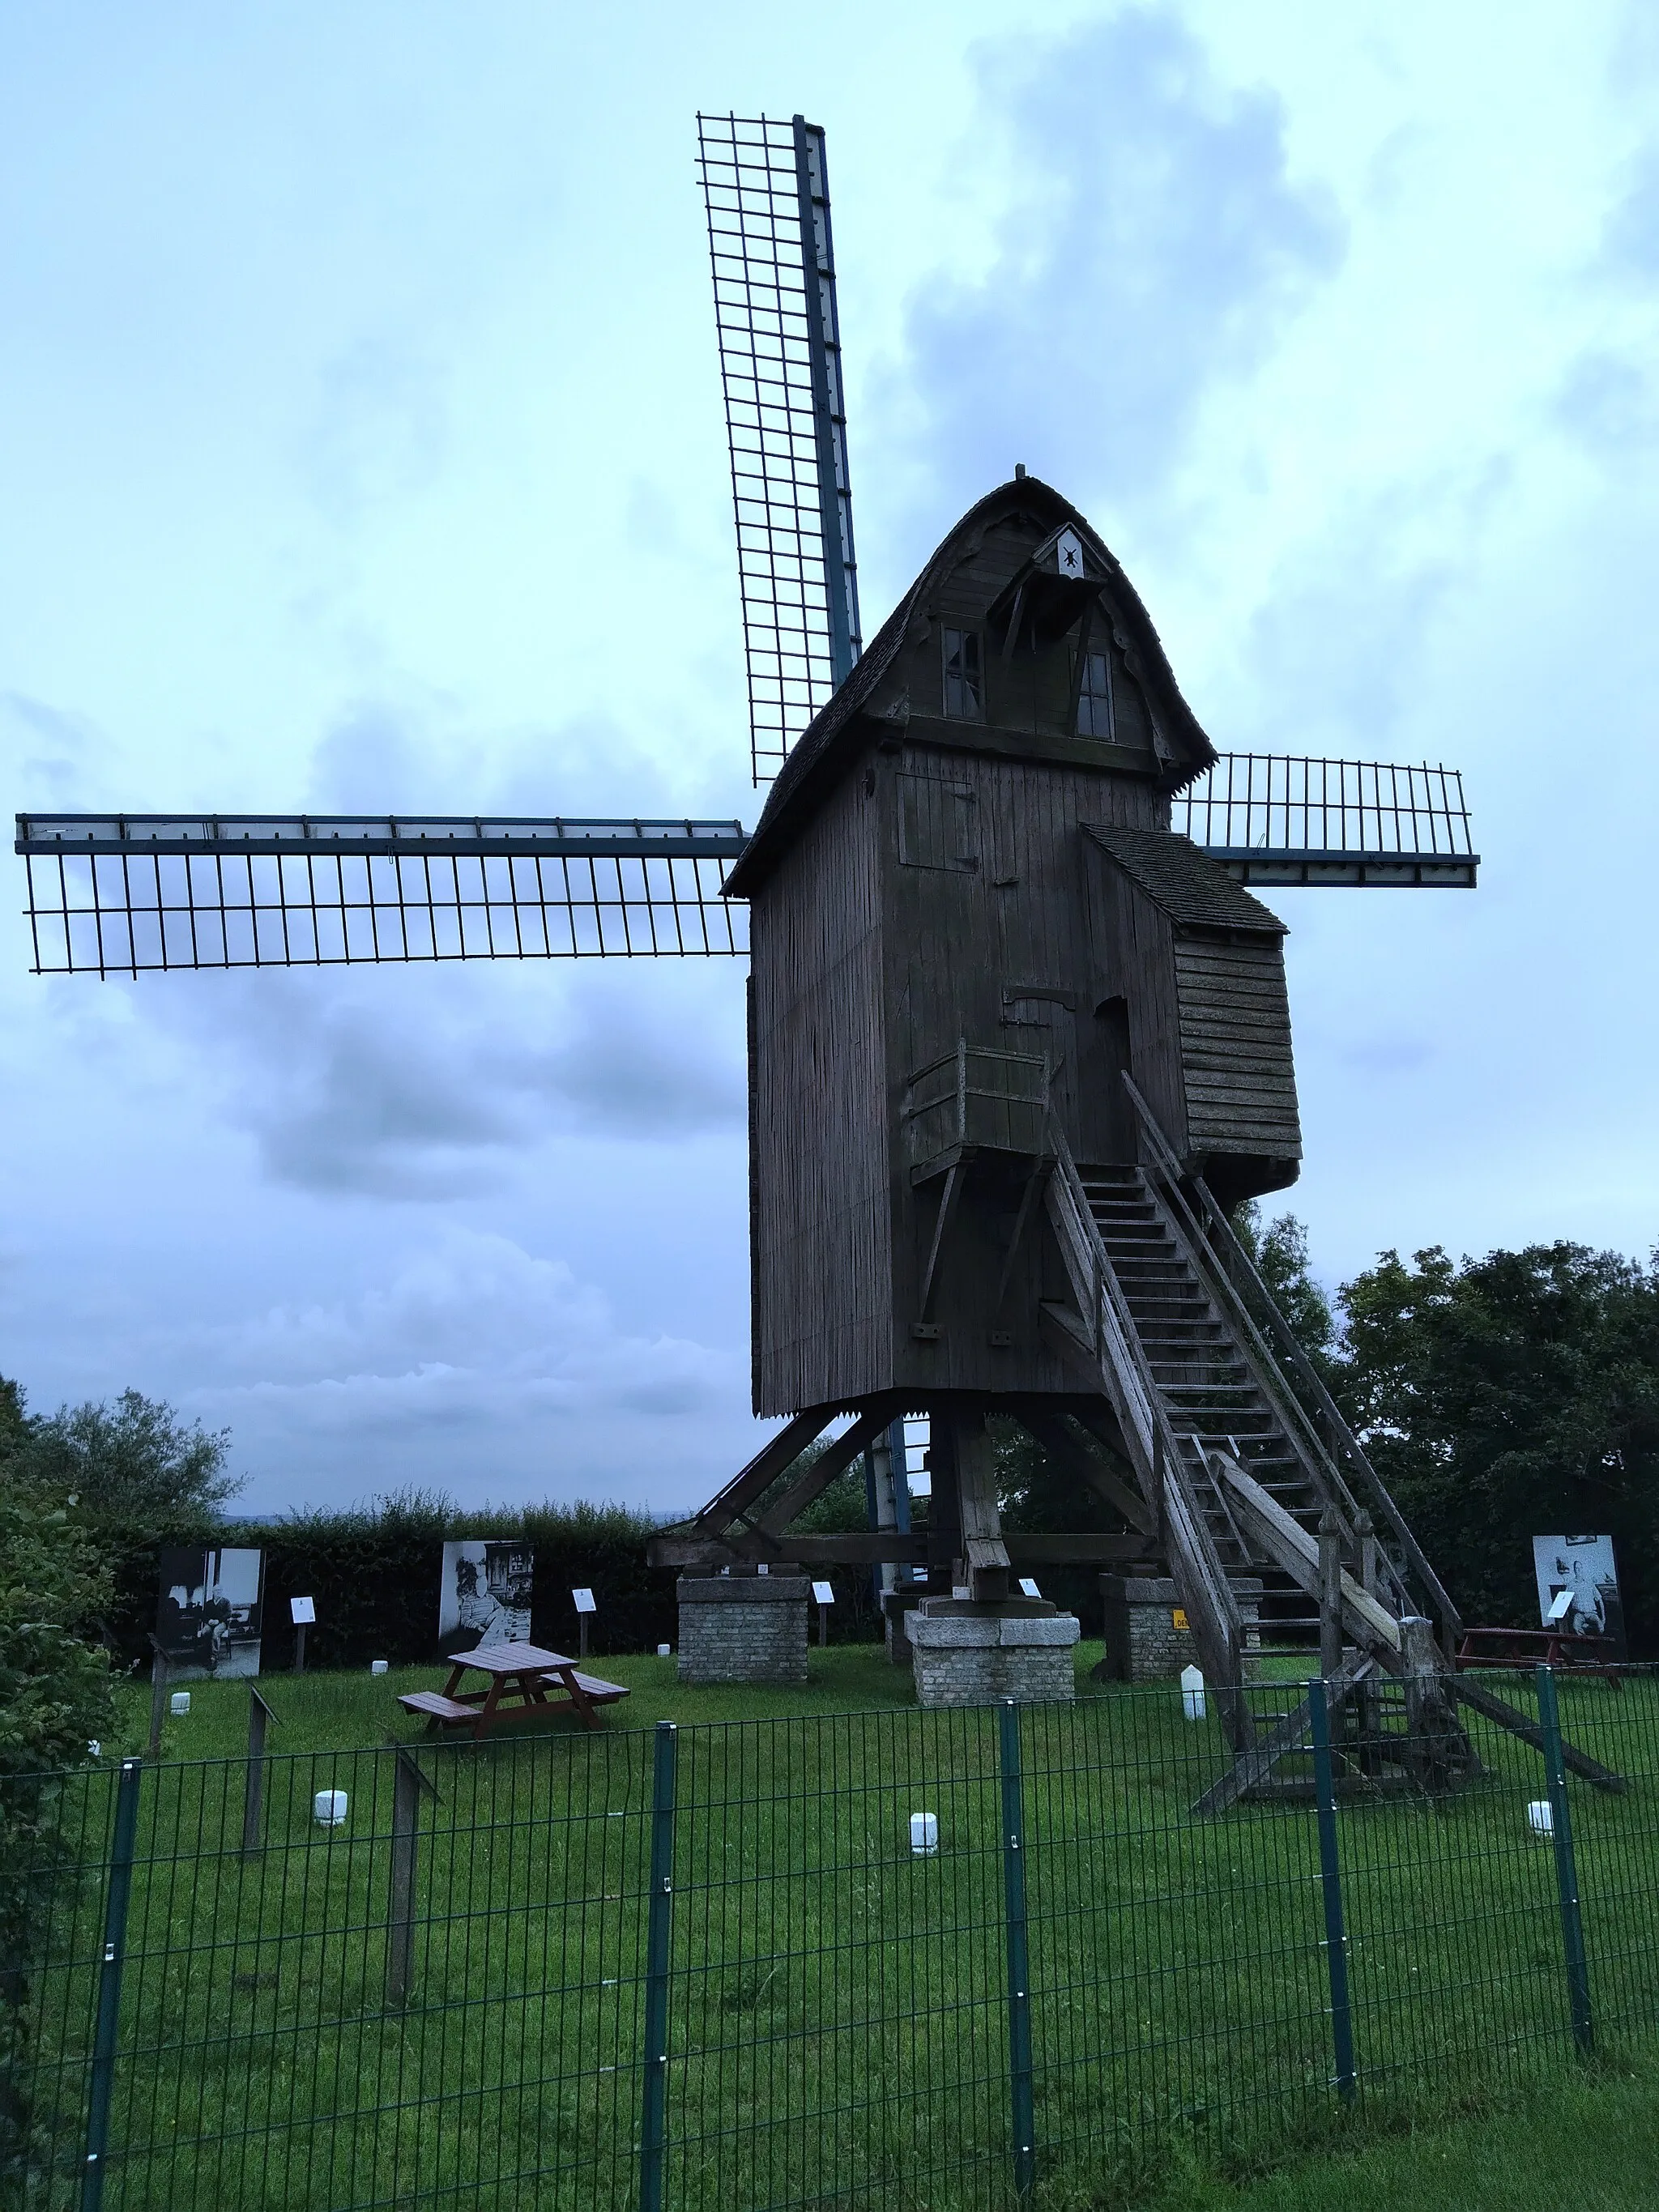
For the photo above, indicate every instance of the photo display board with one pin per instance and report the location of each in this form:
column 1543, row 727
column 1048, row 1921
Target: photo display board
column 484, row 1594
column 1578, row 1586
column 207, row 1611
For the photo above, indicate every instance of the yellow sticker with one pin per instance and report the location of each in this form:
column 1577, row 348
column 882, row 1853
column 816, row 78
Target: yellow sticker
column 1179, row 1617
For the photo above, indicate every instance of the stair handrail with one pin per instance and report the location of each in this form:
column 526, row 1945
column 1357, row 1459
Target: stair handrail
column 1234, row 1253
column 1300, row 1433
column 1152, row 1431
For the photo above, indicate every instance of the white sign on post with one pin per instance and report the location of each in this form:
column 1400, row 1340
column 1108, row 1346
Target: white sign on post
column 584, row 1601
column 302, row 1610
column 822, row 1593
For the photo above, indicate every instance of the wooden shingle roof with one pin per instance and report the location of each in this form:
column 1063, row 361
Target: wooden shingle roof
column 1192, row 890
column 841, row 728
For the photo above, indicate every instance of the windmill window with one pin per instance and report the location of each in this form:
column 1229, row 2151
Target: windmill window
column 965, row 679
column 1094, row 698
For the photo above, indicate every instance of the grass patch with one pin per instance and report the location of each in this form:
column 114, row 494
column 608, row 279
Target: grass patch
column 839, row 2017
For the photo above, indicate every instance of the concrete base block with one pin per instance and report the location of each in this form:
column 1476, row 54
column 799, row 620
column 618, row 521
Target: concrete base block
column 978, row 1655
column 742, row 1628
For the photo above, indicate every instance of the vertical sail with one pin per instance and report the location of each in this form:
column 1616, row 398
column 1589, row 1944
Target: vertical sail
column 771, row 250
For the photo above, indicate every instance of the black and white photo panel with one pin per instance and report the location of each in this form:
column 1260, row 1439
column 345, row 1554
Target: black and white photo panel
column 207, row 1613
column 1578, row 1588
column 484, row 1595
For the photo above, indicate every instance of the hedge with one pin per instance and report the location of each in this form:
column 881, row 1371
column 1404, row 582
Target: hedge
column 375, row 1576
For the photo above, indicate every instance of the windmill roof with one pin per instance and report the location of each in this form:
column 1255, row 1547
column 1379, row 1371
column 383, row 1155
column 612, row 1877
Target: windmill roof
column 835, row 737
column 1189, row 886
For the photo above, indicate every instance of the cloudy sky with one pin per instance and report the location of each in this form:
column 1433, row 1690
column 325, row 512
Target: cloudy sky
column 361, row 446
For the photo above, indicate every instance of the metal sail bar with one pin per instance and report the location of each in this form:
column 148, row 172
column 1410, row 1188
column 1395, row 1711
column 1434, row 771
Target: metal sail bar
column 125, row 893
column 766, row 196
column 1274, row 818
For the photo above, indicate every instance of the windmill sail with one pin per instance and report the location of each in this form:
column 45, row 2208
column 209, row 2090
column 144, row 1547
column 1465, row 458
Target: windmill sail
column 771, row 250
column 1270, row 818
column 120, row 894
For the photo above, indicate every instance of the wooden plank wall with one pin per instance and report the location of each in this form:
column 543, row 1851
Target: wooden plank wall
column 1236, row 1048
column 998, row 941
column 820, row 1240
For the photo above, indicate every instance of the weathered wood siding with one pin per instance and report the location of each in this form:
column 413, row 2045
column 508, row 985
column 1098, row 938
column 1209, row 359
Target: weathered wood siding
column 1239, row 1078
column 820, row 1233
column 989, row 934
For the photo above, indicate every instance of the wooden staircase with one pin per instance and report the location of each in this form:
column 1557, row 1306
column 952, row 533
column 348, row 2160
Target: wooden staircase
column 1213, row 1396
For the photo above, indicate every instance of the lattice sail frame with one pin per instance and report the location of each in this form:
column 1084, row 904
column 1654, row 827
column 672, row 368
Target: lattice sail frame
column 125, row 894
column 771, row 252
column 1276, row 819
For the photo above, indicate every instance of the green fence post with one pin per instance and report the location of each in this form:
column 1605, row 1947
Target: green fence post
column 1566, row 1867
column 1019, row 1970
column 116, row 1899
column 1330, row 1880
column 654, row 2094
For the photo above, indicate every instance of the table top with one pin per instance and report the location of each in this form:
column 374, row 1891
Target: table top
column 511, row 1659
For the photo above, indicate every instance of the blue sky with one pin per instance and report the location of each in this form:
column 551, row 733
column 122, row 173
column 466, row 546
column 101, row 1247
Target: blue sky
column 361, row 437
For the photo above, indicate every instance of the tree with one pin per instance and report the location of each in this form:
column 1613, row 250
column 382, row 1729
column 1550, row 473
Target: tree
column 54, row 1700
column 1280, row 1252
column 135, row 1463
column 1511, row 1396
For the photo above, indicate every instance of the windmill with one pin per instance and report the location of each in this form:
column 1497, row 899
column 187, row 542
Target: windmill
column 1019, row 1036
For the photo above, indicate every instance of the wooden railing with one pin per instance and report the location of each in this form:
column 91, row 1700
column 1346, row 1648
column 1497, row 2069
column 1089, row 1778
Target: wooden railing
column 1319, row 1434
column 1154, row 1448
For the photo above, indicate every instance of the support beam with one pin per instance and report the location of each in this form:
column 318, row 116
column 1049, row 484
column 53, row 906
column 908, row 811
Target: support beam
column 812, row 1483
column 1051, row 1431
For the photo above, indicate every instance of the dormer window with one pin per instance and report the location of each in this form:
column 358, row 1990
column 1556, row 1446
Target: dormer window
column 964, row 682
column 1094, row 697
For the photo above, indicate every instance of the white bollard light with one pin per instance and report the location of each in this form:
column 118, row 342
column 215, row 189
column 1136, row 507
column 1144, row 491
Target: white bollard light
column 1541, row 1817
column 664, row 1651
column 377, row 1666
column 179, row 1703
column 924, row 1834
column 328, row 1808
column 1192, row 1693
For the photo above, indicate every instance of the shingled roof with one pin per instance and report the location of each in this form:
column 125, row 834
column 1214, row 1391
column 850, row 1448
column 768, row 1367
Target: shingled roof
column 1191, row 888
column 834, row 735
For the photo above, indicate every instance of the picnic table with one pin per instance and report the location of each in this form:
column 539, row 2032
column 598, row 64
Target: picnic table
column 1510, row 1648
column 517, row 1673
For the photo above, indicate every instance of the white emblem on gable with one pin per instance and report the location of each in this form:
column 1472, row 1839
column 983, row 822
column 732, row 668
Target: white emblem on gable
column 1068, row 552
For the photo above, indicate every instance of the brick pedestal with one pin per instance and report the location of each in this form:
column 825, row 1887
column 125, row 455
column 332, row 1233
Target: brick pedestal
column 742, row 1628
column 977, row 1654
column 1145, row 1642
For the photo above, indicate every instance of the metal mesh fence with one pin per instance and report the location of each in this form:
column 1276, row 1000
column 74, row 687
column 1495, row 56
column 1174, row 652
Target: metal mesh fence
column 930, row 1956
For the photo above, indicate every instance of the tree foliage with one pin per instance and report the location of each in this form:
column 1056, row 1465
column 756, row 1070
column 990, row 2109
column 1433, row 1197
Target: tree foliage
column 1282, row 1259
column 133, row 1463
column 1508, row 1397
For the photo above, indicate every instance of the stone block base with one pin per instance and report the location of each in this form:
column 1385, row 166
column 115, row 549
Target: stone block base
column 742, row 1628
column 1146, row 1636
column 978, row 1655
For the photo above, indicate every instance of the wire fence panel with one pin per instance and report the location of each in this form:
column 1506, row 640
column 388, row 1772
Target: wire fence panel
column 832, row 1961
column 840, row 2005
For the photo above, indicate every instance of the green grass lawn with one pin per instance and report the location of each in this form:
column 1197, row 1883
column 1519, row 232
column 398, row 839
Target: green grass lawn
column 1587, row 2146
column 340, row 1712
column 838, row 2007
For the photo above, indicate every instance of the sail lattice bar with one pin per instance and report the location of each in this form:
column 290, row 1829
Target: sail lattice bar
column 766, row 193
column 1279, row 818
column 124, row 894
